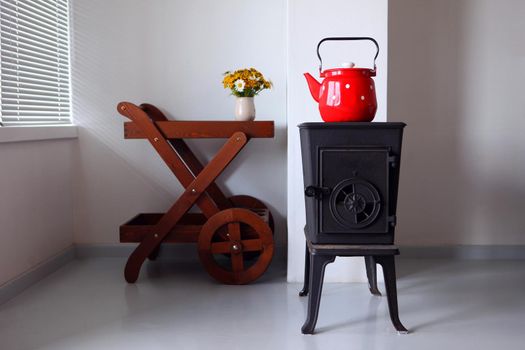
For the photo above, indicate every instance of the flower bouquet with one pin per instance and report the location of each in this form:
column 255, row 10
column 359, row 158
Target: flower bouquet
column 245, row 84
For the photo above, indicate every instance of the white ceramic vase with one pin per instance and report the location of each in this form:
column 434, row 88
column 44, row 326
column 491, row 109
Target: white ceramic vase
column 244, row 109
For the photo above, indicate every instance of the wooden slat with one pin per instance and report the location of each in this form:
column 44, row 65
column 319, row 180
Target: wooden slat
column 221, row 247
column 152, row 219
column 203, row 129
column 187, row 230
column 237, row 260
column 180, row 234
column 252, row 245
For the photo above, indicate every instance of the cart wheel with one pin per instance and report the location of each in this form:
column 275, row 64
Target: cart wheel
column 247, row 202
column 213, row 246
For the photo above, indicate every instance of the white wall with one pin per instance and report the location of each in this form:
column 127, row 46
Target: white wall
column 36, row 207
column 456, row 72
column 171, row 54
column 308, row 22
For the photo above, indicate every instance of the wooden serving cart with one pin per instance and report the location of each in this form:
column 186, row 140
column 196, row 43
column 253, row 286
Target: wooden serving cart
column 234, row 235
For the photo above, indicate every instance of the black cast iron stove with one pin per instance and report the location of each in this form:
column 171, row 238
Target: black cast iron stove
column 351, row 175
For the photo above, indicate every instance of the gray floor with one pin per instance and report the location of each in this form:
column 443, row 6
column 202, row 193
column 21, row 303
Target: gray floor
column 87, row 305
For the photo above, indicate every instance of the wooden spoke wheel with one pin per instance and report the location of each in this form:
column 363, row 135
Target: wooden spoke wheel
column 223, row 255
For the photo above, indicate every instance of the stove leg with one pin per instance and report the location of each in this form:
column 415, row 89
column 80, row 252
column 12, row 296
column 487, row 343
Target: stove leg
column 371, row 273
column 389, row 272
column 304, row 291
column 317, row 267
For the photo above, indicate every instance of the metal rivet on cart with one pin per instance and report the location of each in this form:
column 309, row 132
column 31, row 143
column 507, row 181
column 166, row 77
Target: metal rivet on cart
column 238, row 139
column 362, row 98
column 123, row 107
column 156, row 139
column 156, row 235
column 193, row 190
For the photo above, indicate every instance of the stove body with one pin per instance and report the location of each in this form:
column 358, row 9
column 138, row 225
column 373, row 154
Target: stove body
column 351, row 176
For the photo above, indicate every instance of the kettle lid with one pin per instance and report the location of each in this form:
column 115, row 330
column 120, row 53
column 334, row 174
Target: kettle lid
column 348, row 65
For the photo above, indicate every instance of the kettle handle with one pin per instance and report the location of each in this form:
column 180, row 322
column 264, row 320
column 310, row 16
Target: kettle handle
column 341, row 38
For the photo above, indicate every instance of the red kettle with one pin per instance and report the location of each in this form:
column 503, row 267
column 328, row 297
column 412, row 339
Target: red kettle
column 347, row 94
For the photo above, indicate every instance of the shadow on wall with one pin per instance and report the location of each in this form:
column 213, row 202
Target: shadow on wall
column 462, row 175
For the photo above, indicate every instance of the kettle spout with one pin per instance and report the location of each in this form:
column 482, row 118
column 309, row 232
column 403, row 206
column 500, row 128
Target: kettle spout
column 314, row 86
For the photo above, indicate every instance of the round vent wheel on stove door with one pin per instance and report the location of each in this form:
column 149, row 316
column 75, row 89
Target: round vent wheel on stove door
column 355, row 203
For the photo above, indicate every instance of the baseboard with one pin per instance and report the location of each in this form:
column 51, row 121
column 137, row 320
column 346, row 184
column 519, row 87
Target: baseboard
column 178, row 252
column 465, row 252
column 182, row 252
column 42, row 270
column 188, row 252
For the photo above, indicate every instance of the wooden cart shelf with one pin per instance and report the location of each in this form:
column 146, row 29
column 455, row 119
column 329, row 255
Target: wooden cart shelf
column 238, row 228
column 173, row 129
column 186, row 231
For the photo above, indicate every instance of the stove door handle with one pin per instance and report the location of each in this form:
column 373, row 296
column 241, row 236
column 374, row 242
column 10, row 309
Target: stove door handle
column 317, row 192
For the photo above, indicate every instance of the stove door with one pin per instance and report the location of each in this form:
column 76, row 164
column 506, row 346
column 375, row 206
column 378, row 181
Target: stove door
column 358, row 197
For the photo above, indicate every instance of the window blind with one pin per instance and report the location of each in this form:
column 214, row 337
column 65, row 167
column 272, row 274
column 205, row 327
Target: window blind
column 34, row 64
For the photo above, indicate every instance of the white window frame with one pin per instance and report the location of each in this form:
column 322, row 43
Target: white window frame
column 14, row 133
